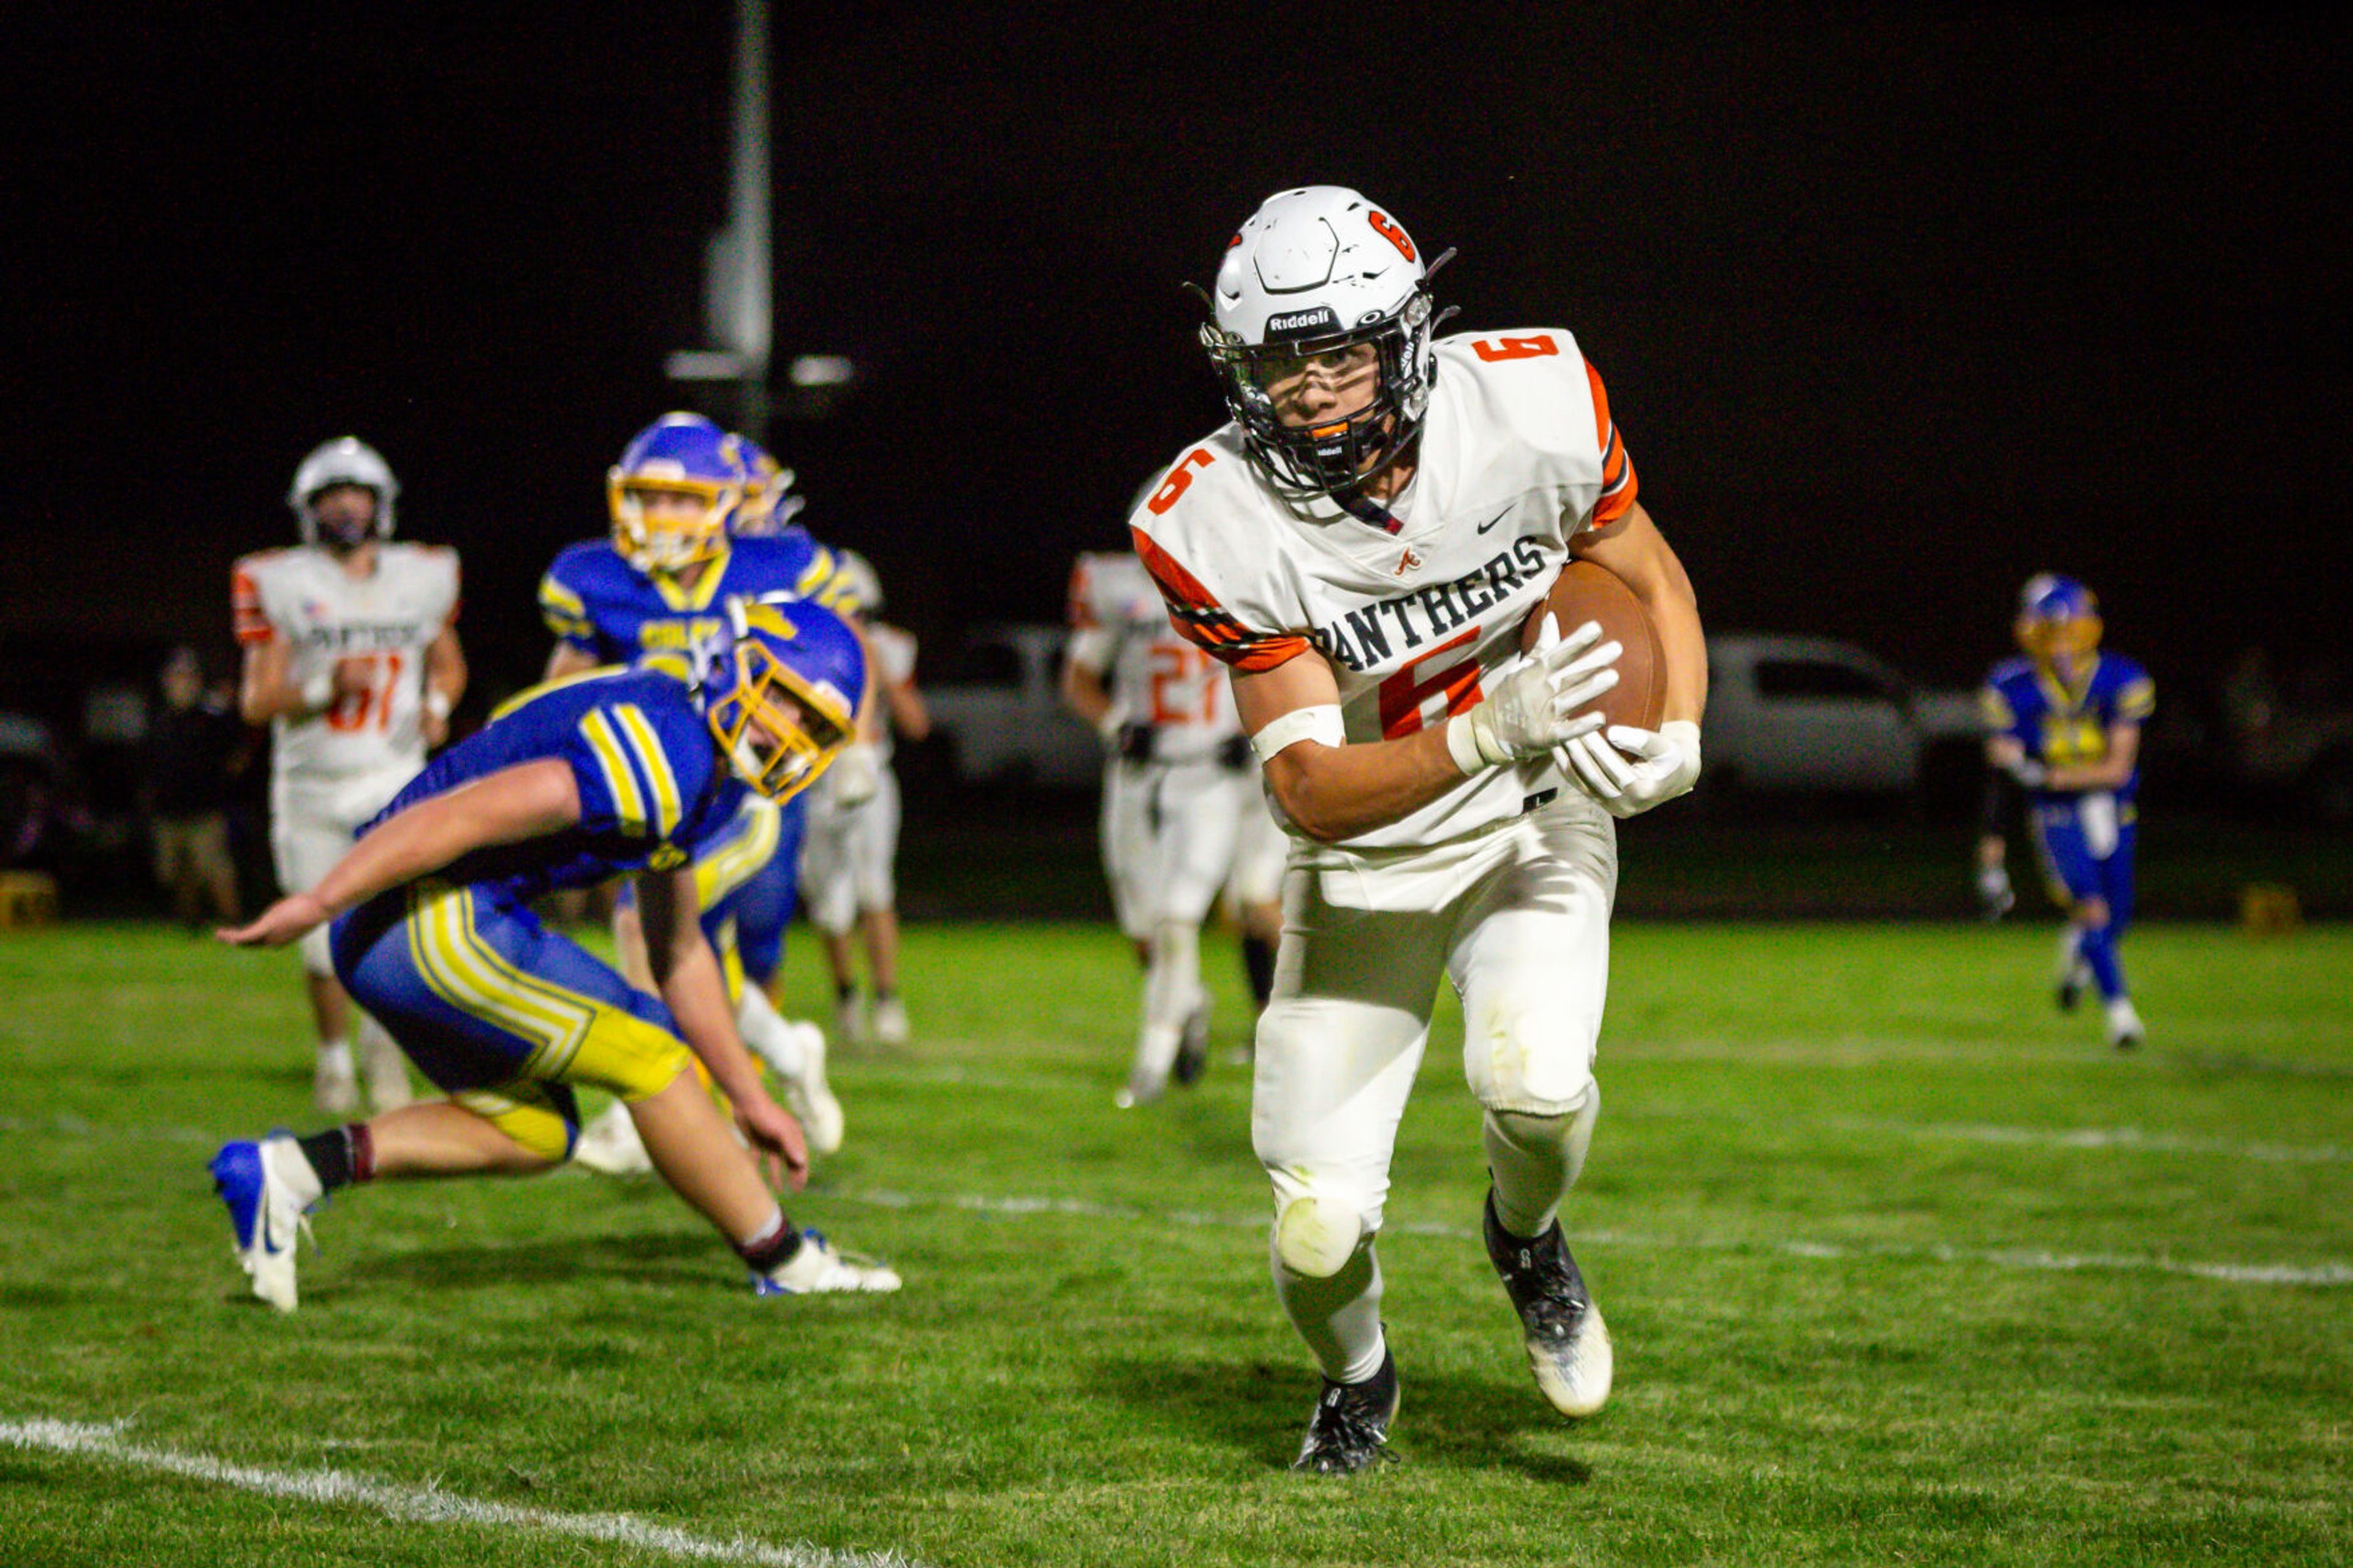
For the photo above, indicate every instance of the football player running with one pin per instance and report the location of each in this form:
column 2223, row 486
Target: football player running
column 1176, row 786
column 849, row 854
column 430, row 922
column 699, row 516
column 2063, row 719
column 351, row 656
column 1360, row 545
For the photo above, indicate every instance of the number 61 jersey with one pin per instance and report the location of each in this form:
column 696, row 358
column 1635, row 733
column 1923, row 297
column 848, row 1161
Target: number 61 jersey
column 367, row 743
column 1414, row 608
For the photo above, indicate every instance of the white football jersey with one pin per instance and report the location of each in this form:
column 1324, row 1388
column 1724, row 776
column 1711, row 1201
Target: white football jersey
column 1119, row 628
column 304, row 598
column 1413, row 610
column 894, row 665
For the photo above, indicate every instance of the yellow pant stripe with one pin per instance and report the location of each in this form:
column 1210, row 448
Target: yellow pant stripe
column 466, row 973
column 742, row 856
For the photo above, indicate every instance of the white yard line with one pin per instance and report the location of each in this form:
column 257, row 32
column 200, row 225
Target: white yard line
column 421, row 1505
column 2130, row 1139
column 2324, row 1274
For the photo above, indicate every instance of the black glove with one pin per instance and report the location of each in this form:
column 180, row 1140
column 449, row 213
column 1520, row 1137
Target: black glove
column 1234, row 752
column 1135, row 742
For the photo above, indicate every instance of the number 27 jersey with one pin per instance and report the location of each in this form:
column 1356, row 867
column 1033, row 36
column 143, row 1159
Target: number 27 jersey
column 1518, row 455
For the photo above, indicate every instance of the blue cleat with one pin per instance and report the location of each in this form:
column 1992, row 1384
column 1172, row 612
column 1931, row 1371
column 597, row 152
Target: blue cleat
column 264, row 1215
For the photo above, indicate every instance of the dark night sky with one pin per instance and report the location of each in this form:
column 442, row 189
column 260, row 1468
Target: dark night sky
column 1895, row 308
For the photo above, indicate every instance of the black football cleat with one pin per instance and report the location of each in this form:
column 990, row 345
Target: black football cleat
column 2069, row 991
column 1568, row 1343
column 1192, row 1050
column 1349, row 1431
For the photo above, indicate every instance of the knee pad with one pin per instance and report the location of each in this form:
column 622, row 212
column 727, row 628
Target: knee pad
column 1315, row 1236
column 1564, row 1136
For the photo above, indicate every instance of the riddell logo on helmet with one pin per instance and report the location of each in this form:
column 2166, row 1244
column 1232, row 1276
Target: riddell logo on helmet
column 1299, row 320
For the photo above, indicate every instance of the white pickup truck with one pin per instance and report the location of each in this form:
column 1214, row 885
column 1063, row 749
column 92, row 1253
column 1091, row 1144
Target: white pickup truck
column 1814, row 714
column 999, row 715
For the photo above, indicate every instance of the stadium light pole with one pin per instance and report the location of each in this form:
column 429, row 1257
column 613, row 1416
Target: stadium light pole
column 738, row 304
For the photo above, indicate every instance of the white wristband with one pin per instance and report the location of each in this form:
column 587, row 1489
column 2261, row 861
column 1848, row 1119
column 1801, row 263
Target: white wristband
column 318, row 691
column 437, row 703
column 1462, row 745
column 1319, row 724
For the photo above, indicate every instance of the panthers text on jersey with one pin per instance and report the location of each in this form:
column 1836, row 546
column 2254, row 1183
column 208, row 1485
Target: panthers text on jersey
column 651, row 779
column 1119, row 629
column 1518, row 455
column 2059, row 728
column 598, row 603
column 303, row 597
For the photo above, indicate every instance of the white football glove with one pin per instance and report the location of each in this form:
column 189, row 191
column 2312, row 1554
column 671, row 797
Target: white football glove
column 1628, row 771
column 1533, row 705
column 2029, row 773
column 856, row 775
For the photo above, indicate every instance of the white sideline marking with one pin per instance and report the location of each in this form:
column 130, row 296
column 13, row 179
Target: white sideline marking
column 2130, row 1138
column 423, row 1505
column 2327, row 1274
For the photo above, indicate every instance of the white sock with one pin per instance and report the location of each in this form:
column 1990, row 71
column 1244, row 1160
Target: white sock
column 336, row 1055
column 1340, row 1318
column 1171, row 984
column 1534, row 1160
column 774, row 1041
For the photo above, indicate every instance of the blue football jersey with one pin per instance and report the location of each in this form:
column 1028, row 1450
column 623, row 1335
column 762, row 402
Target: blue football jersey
column 651, row 781
column 2059, row 728
column 598, row 603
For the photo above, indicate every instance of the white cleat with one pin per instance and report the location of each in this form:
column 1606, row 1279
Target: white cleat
column 817, row 1269
column 809, row 1097
column 890, row 1021
column 334, row 1088
column 265, row 1216
column 850, row 1018
column 610, row 1145
column 2125, row 1031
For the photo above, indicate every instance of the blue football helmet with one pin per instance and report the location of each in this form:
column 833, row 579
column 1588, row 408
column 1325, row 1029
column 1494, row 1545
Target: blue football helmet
column 2058, row 618
column 769, row 505
column 676, row 488
column 781, row 688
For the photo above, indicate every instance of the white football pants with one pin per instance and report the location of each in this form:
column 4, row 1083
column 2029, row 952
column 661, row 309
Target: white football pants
column 1517, row 916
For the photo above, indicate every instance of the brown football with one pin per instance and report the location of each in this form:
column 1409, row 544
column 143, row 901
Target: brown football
column 1584, row 592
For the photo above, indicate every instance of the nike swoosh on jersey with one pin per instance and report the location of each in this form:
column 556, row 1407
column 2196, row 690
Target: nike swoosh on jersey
column 1492, row 520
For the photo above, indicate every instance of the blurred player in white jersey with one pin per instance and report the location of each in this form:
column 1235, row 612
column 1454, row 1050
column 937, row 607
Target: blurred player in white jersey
column 1361, row 545
column 848, row 855
column 1176, row 789
column 352, row 658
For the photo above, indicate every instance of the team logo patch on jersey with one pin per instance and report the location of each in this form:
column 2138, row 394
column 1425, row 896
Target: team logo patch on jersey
column 1409, row 562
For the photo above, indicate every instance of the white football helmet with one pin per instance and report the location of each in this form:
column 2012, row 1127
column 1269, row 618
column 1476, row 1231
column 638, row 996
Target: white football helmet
column 1316, row 269
column 347, row 460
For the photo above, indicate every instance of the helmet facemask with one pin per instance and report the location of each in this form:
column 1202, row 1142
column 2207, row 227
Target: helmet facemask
column 2058, row 623
column 778, row 731
column 653, row 538
column 1338, row 454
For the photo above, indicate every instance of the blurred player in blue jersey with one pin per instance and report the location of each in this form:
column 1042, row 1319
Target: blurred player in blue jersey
column 576, row 780
column 2064, row 721
column 700, row 516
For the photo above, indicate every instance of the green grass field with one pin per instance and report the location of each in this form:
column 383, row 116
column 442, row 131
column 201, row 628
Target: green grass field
column 1902, row 1267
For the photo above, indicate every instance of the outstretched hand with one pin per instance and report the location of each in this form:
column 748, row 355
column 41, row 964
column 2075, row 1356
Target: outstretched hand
column 771, row 1130
column 291, row 919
